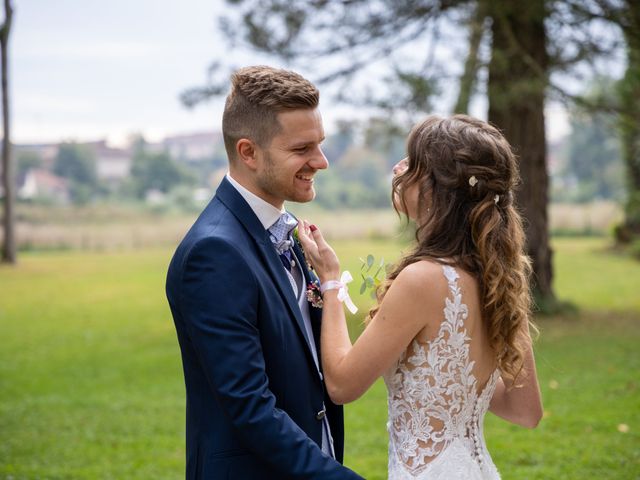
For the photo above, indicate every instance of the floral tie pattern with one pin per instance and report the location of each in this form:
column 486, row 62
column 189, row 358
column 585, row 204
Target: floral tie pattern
column 280, row 235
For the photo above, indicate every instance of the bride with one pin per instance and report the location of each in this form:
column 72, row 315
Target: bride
column 450, row 331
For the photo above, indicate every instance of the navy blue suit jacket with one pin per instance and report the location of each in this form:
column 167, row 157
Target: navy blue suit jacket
column 253, row 391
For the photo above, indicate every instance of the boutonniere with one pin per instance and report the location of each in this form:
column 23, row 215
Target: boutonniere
column 296, row 238
column 314, row 296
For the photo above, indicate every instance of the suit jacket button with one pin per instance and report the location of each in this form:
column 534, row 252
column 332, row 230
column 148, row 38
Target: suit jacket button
column 320, row 415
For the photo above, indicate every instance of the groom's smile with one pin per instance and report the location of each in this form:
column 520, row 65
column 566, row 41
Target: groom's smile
column 306, row 179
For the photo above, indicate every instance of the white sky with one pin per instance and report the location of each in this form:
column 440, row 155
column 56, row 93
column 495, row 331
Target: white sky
column 92, row 69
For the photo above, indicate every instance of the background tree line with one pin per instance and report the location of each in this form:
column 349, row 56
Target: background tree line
column 588, row 166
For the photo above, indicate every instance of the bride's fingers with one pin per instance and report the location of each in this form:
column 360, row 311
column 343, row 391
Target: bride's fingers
column 304, row 235
column 316, row 234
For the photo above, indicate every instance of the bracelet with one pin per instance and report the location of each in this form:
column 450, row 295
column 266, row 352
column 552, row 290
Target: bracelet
column 343, row 292
column 331, row 285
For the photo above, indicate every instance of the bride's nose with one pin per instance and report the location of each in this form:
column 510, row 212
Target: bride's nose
column 401, row 167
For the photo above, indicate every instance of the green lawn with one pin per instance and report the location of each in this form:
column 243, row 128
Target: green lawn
column 91, row 382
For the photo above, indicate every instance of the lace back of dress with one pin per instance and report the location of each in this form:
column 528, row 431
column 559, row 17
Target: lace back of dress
column 434, row 401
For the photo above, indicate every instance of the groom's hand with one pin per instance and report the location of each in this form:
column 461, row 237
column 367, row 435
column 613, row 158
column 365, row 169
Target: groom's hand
column 319, row 253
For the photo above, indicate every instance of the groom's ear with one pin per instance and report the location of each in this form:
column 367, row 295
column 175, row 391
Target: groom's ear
column 247, row 153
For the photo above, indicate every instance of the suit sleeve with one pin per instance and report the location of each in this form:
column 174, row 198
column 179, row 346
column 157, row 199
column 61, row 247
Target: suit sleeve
column 219, row 301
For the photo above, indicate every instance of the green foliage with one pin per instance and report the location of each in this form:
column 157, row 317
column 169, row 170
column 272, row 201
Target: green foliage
column 371, row 281
column 92, row 384
column 387, row 138
column 594, row 167
column 360, row 170
column 77, row 164
column 358, row 181
column 157, row 171
column 337, row 144
column 361, row 156
column 26, row 161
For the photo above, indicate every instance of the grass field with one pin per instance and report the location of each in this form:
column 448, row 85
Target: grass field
column 91, row 384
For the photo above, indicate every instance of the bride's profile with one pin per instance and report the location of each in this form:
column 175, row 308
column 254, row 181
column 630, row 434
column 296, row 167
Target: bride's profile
column 450, row 330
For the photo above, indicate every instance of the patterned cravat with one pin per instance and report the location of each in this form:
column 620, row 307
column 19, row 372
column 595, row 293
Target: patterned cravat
column 280, row 233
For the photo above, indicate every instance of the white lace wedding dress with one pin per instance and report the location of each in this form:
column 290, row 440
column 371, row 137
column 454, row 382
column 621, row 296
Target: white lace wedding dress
column 435, row 410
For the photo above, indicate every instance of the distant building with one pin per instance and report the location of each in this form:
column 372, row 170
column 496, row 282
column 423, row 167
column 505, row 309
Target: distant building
column 46, row 151
column 39, row 183
column 193, row 147
column 113, row 165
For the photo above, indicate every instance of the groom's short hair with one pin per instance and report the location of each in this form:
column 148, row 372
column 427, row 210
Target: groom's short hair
column 258, row 94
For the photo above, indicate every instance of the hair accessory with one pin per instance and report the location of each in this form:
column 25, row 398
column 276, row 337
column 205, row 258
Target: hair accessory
column 473, row 181
column 496, row 199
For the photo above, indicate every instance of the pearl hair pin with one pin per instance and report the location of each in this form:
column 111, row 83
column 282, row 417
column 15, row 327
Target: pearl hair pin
column 473, row 181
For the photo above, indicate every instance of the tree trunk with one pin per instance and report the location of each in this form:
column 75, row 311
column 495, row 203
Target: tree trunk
column 517, row 83
column 468, row 79
column 629, row 91
column 8, row 244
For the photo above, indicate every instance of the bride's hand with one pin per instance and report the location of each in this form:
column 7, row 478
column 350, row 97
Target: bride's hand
column 318, row 252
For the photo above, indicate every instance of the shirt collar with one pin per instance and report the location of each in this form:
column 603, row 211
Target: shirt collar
column 266, row 213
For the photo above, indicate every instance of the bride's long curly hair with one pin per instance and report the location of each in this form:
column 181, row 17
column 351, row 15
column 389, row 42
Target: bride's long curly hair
column 466, row 172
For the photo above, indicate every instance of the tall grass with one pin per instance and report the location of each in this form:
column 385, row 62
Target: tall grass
column 119, row 227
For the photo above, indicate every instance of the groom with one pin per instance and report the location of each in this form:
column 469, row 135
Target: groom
column 257, row 407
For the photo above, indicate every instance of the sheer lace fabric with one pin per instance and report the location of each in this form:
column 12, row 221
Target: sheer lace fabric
column 435, row 411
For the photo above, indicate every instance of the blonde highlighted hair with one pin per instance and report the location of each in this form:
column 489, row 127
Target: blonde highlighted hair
column 466, row 171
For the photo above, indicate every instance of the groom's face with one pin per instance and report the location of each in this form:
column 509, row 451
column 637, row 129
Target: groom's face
column 287, row 166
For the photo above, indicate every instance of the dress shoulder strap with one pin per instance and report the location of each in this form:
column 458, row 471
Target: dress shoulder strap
column 452, row 276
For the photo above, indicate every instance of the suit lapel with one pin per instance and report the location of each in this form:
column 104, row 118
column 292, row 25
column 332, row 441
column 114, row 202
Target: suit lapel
column 315, row 314
column 230, row 197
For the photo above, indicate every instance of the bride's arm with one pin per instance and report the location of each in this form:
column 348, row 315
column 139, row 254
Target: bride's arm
column 349, row 370
column 521, row 404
